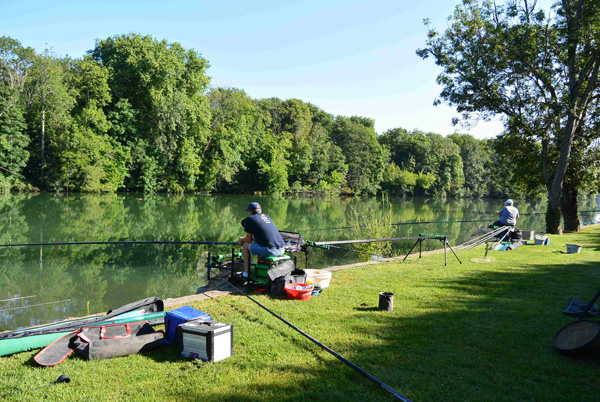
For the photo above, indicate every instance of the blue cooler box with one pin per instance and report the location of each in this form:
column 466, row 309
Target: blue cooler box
column 181, row 315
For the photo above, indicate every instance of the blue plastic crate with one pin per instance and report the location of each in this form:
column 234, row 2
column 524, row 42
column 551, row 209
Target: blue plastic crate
column 181, row 315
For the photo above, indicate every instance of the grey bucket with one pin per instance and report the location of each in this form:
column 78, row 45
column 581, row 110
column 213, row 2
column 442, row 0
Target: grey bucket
column 386, row 301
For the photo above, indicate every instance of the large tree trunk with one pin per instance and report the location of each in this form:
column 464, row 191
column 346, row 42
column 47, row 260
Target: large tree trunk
column 553, row 213
column 568, row 207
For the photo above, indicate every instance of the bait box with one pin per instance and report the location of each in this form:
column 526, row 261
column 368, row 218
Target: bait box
column 209, row 341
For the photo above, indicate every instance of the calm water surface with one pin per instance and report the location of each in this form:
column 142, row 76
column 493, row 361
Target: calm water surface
column 55, row 282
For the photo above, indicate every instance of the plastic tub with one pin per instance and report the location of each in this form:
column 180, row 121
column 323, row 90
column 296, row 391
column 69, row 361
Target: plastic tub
column 299, row 291
column 541, row 240
column 573, row 248
column 318, row 277
column 528, row 234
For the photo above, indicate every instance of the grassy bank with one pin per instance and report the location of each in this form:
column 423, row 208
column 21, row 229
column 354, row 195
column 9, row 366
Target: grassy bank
column 476, row 331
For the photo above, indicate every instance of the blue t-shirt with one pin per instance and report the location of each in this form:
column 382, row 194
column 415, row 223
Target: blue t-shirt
column 264, row 231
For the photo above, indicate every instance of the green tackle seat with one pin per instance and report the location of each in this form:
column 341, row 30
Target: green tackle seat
column 264, row 264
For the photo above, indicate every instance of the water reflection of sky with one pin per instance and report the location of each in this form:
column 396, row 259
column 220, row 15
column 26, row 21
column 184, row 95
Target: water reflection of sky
column 95, row 278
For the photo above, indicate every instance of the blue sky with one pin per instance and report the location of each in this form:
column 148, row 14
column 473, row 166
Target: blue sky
column 350, row 57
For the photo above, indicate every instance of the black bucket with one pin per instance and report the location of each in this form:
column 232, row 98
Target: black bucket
column 579, row 338
column 386, row 301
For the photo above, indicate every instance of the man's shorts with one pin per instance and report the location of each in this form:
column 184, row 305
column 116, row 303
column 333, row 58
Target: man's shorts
column 261, row 251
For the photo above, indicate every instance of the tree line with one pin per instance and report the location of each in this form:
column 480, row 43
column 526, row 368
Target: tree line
column 138, row 114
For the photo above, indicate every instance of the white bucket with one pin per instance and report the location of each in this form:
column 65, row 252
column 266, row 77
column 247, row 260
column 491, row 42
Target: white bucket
column 318, row 277
column 573, row 248
column 528, row 234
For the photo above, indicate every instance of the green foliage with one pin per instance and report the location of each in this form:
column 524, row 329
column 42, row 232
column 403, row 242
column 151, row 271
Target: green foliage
column 475, row 158
column 13, row 140
column 426, row 154
column 364, row 155
column 273, row 163
column 159, row 88
column 399, row 181
column 236, row 123
column 49, row 101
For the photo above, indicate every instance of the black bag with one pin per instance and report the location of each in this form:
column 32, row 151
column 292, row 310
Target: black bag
column 108, row 341
column 278, row 285
column 516, row 234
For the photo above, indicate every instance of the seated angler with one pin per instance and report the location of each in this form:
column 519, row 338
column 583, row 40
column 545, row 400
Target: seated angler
column 260, row 228
column 509, row 215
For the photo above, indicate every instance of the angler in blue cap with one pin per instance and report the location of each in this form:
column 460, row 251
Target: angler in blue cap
column 262, row 237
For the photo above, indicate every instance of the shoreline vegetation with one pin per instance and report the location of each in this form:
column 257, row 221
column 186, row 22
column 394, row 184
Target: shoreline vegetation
column 139, row 114
column 457, row 332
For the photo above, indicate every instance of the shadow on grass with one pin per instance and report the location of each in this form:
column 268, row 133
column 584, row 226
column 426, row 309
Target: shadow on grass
column 485, row 336
column 366, row 308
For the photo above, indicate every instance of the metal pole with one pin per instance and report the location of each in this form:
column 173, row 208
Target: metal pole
column 589, row 305
column 445, row 252
column 411, row 249
column 453, row 252
column 209, row 265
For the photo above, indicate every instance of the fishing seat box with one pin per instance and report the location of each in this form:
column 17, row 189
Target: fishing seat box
column 179, row 316
column 209, row 341
column 269, row 268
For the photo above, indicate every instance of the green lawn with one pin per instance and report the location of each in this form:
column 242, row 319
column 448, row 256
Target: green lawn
column 470, row 332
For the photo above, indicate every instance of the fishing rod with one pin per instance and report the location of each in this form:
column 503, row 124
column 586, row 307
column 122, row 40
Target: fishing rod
column 408, row 223
column 333, row 242
column 483, row 238
column 358, row 251
column 18, row 298
column 543, row 213
column 329, row 350
column 211, row 243
column 35, row 305
column 446, row 221
column 501, row 240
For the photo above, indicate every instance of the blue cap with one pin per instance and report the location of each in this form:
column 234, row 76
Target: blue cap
column 509, row 202
column 253, row 205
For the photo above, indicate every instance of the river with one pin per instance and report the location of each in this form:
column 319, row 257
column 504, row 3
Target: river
column 45, row 284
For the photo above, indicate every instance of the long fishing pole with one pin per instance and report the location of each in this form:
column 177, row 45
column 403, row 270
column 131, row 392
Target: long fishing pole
column 408, row 223
column 212, row 243
column 445, row 221
column 18, row 298
column 359, row 251
column 332, row 242
column 35, row 305
column 482, row 239
column 337, row 355
column 501, row 240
